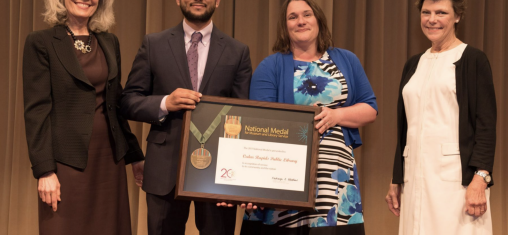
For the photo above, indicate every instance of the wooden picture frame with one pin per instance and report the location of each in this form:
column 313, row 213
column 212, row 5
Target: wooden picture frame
column 202, row 184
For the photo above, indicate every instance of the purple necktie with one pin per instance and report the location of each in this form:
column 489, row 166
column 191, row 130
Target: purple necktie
column 192, row 59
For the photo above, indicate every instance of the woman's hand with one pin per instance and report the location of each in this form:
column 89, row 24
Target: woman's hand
column 224, row 204
column 476, row 202
column 328, row 118
column 49, row 189
column 393, row 199
column 354, row 116
column 248, row 207
column 137, row 170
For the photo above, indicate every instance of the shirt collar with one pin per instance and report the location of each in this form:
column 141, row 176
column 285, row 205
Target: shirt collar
column 206, row 32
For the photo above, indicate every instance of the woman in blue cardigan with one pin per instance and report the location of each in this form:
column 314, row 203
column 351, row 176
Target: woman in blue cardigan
column 306, row 70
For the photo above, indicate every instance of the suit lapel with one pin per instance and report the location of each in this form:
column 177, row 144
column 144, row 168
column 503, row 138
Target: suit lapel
column 177, row 47
column 109, row 53
column 65, row 52
column 214, row 54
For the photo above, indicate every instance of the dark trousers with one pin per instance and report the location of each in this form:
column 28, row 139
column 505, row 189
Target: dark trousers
column 169, row 216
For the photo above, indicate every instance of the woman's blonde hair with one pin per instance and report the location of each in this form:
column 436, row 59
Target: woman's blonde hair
column 100, row 21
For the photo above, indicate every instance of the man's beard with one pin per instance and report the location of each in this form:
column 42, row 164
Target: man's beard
column 205, row 17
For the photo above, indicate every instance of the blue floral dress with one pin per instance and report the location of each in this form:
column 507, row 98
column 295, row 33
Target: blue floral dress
column 338, row 207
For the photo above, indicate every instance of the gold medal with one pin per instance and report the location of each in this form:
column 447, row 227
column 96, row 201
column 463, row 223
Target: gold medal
column 201, row 158
column 232, row 128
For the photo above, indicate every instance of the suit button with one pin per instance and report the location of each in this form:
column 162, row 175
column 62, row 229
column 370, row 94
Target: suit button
column 109, row 85
column 109, row 107
column 113, row 128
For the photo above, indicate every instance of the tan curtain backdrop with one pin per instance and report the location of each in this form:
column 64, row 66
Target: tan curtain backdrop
column 382, row 33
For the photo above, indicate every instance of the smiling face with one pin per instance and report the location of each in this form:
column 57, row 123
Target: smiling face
column 198, row 11
column 301, row 23
column 438, row 21
column 81, row 9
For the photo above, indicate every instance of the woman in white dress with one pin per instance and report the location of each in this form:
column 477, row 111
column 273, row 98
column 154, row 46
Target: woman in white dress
column 446, row 132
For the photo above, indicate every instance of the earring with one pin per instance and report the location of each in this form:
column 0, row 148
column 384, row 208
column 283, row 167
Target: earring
column 457, row 21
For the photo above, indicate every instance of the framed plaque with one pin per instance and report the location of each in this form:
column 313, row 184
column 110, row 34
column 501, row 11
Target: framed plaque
column 241, row 151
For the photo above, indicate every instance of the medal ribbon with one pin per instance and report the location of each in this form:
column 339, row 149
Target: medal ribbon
column 202, row 138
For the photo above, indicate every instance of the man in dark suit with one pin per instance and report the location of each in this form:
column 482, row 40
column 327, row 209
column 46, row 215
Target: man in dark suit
column 170, row 72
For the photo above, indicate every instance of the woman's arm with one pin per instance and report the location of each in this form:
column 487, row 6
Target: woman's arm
column 134, row 155
column 354, row 116
column 392, row 198
column 363, row 109
column 38, row 105
column 482, row 157
column 484, row 118
column 263, row 85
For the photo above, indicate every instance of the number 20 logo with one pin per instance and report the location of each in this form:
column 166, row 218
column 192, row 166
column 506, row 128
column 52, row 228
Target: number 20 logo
column 226, row 173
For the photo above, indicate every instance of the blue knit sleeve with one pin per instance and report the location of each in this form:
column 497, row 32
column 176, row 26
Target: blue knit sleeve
column 363, row 89
column 264, row 83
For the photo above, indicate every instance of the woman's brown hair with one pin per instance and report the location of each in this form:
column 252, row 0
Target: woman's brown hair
column 324, row 39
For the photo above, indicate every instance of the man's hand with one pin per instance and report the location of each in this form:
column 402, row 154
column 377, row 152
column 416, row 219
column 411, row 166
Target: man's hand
column 49, row 189
column 393, row 199
column 137, row 170
column 182, row 99
column 249, row 207
column 476, row 202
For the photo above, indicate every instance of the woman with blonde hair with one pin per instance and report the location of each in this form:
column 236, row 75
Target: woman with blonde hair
column 78, row 143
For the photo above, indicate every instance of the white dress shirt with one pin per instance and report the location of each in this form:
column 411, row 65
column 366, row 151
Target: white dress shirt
column 203, row 48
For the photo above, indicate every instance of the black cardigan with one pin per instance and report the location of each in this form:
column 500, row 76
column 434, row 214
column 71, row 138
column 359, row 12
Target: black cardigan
column 477, row 114
column 60, row 102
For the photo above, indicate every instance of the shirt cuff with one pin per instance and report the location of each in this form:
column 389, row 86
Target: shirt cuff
column 163, row 111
